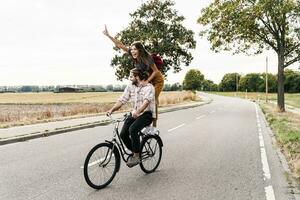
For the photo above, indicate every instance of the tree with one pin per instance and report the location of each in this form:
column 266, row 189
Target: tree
column 252, row 82
column 176, row 87
column 110, row 88
column 28, row 88
column 193, row 80
column 167, row 87
column 209, row 85
column 229, row 82
column 272, row 83
column 160, row 29
column 118, row 88
column 256, row 25
column 292, row 81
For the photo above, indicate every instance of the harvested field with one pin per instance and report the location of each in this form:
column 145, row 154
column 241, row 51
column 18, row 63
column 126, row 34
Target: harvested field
column 29, row 108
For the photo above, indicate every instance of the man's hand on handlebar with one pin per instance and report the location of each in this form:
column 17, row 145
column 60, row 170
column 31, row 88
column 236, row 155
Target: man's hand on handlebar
column 109, row 112
column 135, row 114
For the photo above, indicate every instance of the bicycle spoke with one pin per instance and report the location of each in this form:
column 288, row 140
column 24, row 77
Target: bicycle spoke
column 151, row 154
column 101, row 166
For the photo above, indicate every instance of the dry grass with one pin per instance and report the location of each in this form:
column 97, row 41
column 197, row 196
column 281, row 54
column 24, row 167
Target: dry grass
column 29, row 108
column 169, row 98
column 286, row 127
column 58, row 98
column 22, row 114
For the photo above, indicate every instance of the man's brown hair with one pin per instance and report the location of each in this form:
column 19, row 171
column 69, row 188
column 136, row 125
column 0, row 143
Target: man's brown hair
column 141, row 74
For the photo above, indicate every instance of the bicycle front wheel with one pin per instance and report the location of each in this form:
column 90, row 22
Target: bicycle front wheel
column 101, row 165
column 151, row 152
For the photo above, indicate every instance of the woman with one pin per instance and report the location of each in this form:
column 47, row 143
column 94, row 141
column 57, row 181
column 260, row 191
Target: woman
column 142, row 60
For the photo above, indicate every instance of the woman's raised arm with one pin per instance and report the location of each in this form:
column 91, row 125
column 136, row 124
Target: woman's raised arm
column 118, row 44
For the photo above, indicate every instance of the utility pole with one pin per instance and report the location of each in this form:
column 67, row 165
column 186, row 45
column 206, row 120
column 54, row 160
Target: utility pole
column 267, row 79
column 237, row 82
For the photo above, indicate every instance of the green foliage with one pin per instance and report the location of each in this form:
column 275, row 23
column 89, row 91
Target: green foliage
column 110, row 87
column 272, row 83
column 229, row 82
column 251, row 82
column 28, row 88
column 160, row 28
column 292, row 81
column 193, row 80
column 285, row 133
column 119, row 88
column 209, row 85
column 176, row 87
column 173, row 87
column 250, row 26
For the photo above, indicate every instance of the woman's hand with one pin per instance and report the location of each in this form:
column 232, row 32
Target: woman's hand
column 144, row 83
column 115, row 41
column 105, row 32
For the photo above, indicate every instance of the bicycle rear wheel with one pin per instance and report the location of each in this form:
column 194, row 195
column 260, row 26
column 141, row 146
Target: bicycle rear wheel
column 101, row 165
column 151, row 152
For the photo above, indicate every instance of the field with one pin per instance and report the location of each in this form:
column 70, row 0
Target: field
column 29, row 108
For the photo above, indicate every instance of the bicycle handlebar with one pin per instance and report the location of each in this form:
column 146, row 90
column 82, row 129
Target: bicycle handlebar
column 118, row 119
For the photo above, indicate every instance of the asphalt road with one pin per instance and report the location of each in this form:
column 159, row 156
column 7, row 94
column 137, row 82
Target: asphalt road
column 210, row 152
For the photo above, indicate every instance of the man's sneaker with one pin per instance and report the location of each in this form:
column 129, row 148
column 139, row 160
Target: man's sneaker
column 153, row 130
column 150, row 130
column 133, row 161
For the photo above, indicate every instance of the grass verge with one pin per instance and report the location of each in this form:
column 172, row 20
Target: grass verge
column 286, row 127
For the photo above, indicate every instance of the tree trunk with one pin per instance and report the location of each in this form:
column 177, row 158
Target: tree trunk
column 280, row 94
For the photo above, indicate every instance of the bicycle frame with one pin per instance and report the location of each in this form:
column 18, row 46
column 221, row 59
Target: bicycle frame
column 117, row 141
column 101, row 155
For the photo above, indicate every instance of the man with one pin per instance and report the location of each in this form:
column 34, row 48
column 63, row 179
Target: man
column 142, row 96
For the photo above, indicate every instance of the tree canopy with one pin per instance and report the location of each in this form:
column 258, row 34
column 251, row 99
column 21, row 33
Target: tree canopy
column 251, row 26
column 159, row 27
column 292, row 81
column 229, row 82
column 193, row 80
column 252, row 82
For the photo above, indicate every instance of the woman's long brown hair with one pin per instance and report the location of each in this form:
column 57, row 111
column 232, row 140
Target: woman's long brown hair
column 144, row 55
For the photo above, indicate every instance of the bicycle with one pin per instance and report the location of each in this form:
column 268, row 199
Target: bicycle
column 103, row 160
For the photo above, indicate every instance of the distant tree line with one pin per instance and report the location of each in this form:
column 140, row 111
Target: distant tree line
column 83, row 88
column 256, row 82
column 193, row 80
column 252, row 82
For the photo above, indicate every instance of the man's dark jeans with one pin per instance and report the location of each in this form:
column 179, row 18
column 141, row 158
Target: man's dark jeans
column 132, row 127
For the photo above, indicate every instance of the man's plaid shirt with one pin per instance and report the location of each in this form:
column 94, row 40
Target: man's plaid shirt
column 137, row 95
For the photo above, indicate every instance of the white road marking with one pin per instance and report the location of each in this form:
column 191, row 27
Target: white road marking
column 264, row 160
column 96, row 162
column 269, row 193
column 212, row 112
column 172, row 129
column 200, row 116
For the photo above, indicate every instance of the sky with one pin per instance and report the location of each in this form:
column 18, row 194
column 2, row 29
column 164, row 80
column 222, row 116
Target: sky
column 60, row 42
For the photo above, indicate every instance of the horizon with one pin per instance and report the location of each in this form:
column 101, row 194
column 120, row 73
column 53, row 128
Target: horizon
column 61, row 43
column 120, row 83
